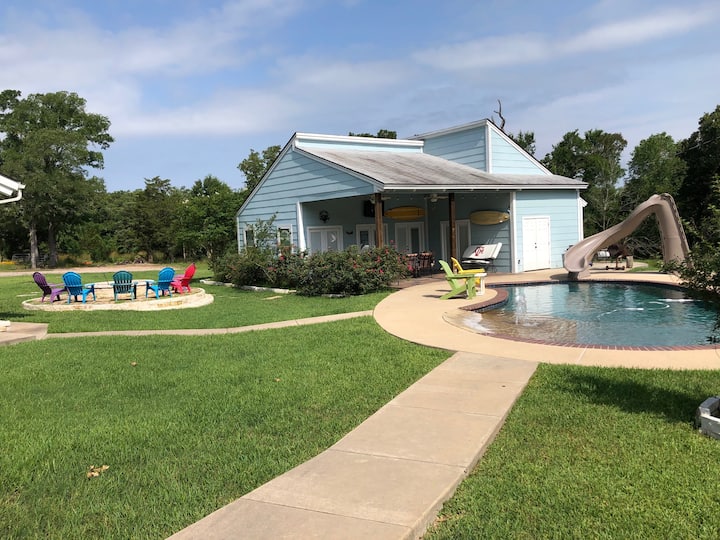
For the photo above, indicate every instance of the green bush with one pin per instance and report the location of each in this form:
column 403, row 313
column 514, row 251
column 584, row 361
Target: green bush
column 348, row 272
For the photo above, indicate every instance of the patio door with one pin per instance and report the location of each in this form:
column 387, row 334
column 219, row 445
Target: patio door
column 462, row 238
column 410, row 237
column 366, row 235
column 324, row 239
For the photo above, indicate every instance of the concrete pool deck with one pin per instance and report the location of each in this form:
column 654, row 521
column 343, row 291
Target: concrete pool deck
column 415, row 314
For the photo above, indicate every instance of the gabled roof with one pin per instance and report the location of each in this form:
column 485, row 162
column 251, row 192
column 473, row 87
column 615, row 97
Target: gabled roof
column 417, row 171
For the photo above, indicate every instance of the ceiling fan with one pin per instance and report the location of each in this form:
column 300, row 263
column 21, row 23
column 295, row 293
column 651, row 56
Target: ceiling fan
column 434, row 197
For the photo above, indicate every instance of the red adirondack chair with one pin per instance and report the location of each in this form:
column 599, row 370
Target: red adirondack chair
column 182, row 283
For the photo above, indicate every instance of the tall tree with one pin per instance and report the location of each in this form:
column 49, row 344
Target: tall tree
column 255, row 165
column 654, row 167
column 381, row 134
column 698, row 196
column 595, row 159
column 525, row 140
column 48, row 142
column 154, row 217
column 207, row 217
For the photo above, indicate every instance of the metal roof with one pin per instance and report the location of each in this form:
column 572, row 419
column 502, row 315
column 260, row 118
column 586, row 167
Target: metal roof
column 418, row 171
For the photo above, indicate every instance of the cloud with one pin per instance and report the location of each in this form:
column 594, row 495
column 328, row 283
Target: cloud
column 524, row 49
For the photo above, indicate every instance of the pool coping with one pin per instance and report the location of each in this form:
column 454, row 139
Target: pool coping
column 502, row 296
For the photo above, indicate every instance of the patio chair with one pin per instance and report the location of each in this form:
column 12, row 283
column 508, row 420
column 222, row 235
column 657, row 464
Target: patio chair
column 483, row 255
column 458, row 284
column 163, row 283
column 123, row 284
column 426, row 261
column 75, row 288
column 52, row 290
column 180, row 283
column 458, row 269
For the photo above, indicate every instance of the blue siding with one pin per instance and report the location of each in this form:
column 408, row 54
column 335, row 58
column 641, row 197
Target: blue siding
column 465, row 147
column 297, row 178
column 562, row 209
column 506, row 158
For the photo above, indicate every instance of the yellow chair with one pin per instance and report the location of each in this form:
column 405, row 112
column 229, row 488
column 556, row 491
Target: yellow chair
column 458, row 269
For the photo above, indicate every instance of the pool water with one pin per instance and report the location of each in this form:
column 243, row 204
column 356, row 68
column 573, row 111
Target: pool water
column 602, row 314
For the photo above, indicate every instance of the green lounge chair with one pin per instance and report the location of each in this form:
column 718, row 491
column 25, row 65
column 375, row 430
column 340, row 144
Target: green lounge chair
column 458, row 283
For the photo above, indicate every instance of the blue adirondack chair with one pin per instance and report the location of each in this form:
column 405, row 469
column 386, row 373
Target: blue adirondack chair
column 75, row 288
column 162, row 285
column 123, row 284
column 53, row 290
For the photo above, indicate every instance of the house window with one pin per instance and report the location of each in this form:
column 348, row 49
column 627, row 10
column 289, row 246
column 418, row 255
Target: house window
column 249, row 237
column 284, row 236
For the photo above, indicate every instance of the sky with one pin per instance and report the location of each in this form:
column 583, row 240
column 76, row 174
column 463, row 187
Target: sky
column 192, row 86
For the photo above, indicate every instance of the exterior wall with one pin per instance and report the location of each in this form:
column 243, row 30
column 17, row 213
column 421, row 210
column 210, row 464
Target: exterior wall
column 506, row 158
column 296, row 178
column 357, row 143
column 466, row 147
column 562, row 209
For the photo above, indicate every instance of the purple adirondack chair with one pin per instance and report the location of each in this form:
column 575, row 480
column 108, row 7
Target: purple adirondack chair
column 52, row 290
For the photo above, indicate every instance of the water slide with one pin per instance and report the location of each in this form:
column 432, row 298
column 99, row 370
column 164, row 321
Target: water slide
column 578, row 258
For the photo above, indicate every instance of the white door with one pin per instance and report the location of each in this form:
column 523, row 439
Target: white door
column 462, row 237
column 409, row 237
column 536, row 243
column 324, row 239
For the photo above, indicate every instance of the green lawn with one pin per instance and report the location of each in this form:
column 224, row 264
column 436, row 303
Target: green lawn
column 194, row 424
column 231, row 307
column 596, row 453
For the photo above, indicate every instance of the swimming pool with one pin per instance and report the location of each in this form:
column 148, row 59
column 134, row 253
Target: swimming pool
column 601, row 314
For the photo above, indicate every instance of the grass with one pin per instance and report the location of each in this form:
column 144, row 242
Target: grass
column 194, row 424
column 595, row 453
column 231, row 307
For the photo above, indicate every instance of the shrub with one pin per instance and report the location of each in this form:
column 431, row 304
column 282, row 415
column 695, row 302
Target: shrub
column 246, row 268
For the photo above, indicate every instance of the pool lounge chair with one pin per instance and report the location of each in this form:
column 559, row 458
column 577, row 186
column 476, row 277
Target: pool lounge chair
column 458, row 284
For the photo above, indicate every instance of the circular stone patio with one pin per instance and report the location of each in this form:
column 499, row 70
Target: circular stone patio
column 106, row 301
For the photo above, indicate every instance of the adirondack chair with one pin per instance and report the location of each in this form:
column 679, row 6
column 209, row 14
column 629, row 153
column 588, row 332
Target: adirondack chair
column 180, row 283
column 52, row 290
column 458, row 269
column 163, row 283
column 123, row 284
column 459, row 284
column 75, row 288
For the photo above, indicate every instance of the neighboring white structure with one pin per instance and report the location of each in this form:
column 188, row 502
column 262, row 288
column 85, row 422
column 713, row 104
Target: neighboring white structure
column 10, row 190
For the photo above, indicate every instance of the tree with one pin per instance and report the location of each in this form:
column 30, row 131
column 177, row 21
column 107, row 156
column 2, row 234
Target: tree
column 155, row 217
column 255, row 165
column 525, row 140
column 49, row 141
column 698, row 197
column 207, row 217
column 381, row 134
column 595, row 159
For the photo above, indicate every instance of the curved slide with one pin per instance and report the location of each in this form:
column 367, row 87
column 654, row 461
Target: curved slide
column 579, row 257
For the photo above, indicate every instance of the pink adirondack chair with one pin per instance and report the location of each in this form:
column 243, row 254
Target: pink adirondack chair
column 182, row 283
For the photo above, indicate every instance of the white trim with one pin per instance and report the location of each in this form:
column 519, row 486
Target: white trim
column 302, row 241
column 513, row 234
column 507, row 138
column 372, row 141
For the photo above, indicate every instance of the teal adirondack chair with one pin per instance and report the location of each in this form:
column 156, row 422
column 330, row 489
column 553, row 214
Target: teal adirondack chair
column 459, row 283
column 75, row 288
column 123, row 284
column 162, row 285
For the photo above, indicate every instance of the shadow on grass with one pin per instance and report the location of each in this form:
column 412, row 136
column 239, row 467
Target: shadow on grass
column 671, row 395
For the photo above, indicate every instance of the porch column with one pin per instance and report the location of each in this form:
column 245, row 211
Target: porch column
column 453, row 234
column 379, row 240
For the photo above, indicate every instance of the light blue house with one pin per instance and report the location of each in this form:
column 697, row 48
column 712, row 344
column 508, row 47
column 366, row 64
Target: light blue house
column 418, row 194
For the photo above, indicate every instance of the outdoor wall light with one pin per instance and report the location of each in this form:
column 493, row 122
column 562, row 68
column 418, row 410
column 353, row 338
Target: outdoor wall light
column 324, row 216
